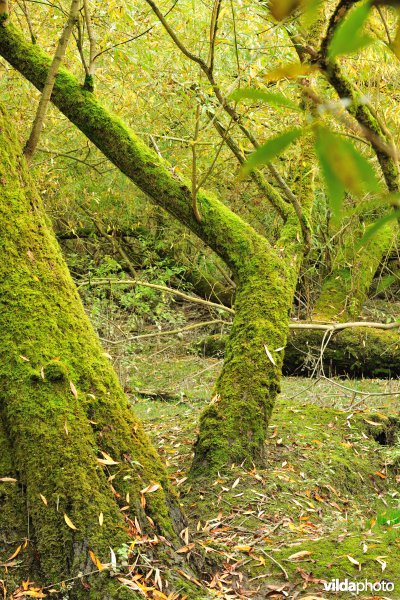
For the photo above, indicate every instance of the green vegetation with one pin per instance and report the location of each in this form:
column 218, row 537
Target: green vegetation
column 201, row 176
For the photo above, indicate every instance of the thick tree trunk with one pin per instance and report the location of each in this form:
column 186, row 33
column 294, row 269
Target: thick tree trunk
column 67, row 433
column 355, row 352
column 233, row 428
column 246, row 253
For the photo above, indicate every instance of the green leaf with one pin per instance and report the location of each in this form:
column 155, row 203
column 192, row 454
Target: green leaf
column 270, row 150
column 274, row 98
column 335, row 188
column 373, row 229
column 349, row 36
column 311, row 12
column 344, row 169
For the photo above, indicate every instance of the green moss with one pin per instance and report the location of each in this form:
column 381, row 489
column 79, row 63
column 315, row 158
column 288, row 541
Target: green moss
column 220, row 228
column 56, row 431
column 89, row 83
column 233, row 427
column 56, row 371
column 344, row 88
column 346, row 288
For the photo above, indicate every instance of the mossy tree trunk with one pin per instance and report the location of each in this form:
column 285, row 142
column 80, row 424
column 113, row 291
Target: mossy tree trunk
column 249, row 256
column 346, row 288
column 234, row 426
column 62, row 412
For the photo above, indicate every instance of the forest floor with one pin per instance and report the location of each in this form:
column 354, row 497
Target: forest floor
column 326, row 504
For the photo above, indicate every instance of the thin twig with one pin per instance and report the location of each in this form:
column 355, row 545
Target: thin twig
column 170, row 332
column 92, row 47
column 161, row 288
column 132, row 39
column 277, row 563
column 194, row 165
column 383, row 19
column 44, row 101
column 213, row 33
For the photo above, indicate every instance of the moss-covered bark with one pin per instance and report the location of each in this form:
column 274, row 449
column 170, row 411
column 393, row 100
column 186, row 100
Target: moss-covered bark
column 61, row 408
column 233, row 427
column 345, row 289
column 260, row 270
column 357, row 352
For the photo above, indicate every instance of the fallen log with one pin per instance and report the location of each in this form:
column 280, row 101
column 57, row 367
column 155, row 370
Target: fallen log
column 352, row 351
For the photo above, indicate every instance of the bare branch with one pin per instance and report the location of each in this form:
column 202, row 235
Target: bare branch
column 176, row 39
column 37, row 127
column 213, row 33
column 89, row 84
column 194, row 166
column 161, row 288
column 170, row 332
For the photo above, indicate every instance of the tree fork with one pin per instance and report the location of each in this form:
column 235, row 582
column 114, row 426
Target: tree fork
column 249, row 255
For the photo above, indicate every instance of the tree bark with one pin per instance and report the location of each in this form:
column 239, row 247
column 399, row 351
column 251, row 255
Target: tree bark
column 233, row 427
column 62, row 412
column 346, row 288
column 248, row 255
column 355, row 352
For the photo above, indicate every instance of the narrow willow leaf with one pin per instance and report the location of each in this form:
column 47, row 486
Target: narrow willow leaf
column 349, row 36
column 272, row 148
column 274, row 98
column 290, row 71
column 375, row 227
column 69, row 522
column 281, row 9
column 344, row 169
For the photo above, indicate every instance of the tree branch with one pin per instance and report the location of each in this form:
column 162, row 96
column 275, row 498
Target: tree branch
column 155, row 286
column 213, row 33
column 358, row 109
column 221, row 229
column 37, row 127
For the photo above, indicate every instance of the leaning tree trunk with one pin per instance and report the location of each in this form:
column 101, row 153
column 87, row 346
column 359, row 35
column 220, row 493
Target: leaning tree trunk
column 74, row 460
column 247, row 254
column 346, row 288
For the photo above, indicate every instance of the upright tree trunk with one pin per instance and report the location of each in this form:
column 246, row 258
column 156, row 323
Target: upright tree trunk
column 233, row 428
column 67, row 434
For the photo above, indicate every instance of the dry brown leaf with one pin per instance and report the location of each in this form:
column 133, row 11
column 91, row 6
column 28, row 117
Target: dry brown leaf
column 354, row 562
column 43, row 499
column 96, row 561
column 18, row 550
column 73, row 390
column 69, row 522
column 185, row 549
column 151, row 488
column 300, row 555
